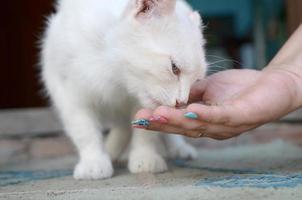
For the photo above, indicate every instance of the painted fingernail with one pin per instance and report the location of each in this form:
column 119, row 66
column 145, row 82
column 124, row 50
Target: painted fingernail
column 141, row 123
column 159, row 119
column 191, row 115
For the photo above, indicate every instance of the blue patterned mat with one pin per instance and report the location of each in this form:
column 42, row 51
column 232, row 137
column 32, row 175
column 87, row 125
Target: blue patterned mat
column 223, row 177
column 12, row 178
column 245, row 178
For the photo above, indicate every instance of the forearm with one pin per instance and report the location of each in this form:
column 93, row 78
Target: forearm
column 289, row 62
column 291, row 52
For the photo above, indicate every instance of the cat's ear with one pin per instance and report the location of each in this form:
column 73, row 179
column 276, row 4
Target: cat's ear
column 196, row 18
column 151, row 8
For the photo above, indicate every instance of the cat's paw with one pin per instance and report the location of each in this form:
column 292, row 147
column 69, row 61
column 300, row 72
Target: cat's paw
column 93, row 169
column 186, row 152
column 143, row 161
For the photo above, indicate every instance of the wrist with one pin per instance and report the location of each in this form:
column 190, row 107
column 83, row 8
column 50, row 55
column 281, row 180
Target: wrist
column 291, row 76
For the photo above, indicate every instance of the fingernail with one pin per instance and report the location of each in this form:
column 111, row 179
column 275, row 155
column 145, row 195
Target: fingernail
column 141, row 123
column 159, row 119
column 191, row 115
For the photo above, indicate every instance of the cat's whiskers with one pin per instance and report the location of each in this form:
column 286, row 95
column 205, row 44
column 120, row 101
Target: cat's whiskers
column 214, row 68
column 224, row 59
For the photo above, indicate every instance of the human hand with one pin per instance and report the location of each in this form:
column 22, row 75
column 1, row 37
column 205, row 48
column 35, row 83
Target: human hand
column 240, row 100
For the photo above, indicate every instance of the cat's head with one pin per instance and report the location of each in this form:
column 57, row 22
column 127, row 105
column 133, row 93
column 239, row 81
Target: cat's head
column 161, row 43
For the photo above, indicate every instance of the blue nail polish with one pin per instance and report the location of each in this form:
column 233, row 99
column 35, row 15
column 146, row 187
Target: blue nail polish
column 141, row 122
column 191, row 115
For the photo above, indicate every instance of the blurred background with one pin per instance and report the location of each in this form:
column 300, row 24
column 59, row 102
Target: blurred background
column 240, row 34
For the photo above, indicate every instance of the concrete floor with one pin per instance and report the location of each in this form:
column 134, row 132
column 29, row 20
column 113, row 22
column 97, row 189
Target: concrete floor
column 266, row 171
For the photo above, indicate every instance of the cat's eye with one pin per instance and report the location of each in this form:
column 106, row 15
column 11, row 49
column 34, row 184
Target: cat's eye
column 175, row 69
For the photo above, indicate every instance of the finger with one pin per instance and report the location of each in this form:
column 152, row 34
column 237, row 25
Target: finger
column 197, row 91
column 177, row 124
column 176, row 118
column 168, row 129
column 218, row 114
column 217, row 132
column 144, row 114
column 141, row 119
column 165, row 129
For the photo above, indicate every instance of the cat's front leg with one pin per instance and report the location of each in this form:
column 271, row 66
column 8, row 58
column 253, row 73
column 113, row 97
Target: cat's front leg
column 144, row 156
column 178, row 148
column 117, row 141
column 83, row 128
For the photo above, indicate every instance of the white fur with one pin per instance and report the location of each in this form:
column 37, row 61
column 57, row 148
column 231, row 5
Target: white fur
column 103, row 60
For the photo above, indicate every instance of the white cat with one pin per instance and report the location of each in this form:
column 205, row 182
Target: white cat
column 103, row 60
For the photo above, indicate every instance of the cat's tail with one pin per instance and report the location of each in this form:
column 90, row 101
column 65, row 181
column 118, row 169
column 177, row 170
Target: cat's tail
column 117, row 141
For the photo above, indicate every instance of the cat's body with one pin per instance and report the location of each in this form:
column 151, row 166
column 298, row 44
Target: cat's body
column 103, row 60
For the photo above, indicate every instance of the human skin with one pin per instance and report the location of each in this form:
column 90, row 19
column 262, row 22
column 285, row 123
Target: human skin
column 237, row 100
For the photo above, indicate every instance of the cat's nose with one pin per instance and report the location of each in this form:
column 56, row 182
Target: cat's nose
column 179, row 104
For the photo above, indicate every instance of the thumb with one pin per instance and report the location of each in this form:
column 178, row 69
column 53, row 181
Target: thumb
column 197, row 91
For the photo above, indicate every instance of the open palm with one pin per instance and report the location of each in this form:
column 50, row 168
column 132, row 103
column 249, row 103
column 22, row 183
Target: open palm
column 223, row 86
column 235, row 101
